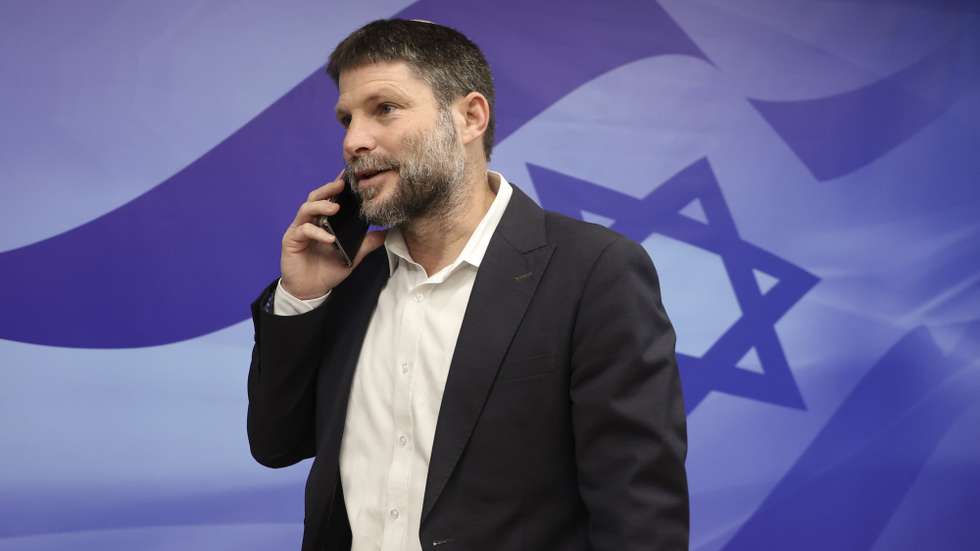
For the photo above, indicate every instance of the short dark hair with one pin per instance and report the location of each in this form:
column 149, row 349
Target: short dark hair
column 451, row 64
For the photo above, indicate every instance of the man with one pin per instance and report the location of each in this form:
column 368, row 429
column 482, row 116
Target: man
column 496, row 376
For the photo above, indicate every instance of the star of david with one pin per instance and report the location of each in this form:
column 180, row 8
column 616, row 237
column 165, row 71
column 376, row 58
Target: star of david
column 665, row 211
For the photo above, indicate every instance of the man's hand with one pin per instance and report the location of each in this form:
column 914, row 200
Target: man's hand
column 310, row 263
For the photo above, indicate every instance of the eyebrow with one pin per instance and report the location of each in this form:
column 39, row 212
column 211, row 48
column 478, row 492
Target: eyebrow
column 385, row 93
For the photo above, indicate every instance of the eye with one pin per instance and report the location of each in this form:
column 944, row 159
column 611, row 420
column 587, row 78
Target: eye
column 386, row 108
column 344, row 121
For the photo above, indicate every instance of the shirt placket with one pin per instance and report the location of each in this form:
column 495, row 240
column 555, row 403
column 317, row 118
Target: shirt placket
column 399, row 478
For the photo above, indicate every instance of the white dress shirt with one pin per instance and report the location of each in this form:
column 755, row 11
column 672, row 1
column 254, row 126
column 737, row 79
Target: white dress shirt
column 398, row 384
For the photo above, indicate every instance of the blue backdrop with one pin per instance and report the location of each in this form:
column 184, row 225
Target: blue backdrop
column 804, row 174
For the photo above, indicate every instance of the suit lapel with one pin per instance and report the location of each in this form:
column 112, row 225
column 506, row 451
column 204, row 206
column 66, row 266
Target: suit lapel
column 508, row 276
column 357, row 299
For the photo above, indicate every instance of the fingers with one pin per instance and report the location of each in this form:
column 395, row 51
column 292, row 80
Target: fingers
column 318, row 202
column 310, row 211
column 317, row 233
column 329, row 189
column 298, row 237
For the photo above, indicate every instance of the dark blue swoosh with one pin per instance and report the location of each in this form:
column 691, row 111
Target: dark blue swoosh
column 839, row 134
column 187, row 257
column 846, row 486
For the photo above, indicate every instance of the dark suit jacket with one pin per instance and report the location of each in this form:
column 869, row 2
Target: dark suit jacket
column 562, row 425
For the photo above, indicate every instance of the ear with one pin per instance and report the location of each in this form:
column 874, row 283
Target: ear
column 474, row 110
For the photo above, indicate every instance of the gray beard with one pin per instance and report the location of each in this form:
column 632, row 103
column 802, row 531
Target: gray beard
column 430, row 178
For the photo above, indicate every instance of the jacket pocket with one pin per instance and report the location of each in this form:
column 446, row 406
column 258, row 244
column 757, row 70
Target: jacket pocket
column 531, row 367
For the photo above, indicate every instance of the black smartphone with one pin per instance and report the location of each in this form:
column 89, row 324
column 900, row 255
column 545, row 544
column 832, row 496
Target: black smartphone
column 347, row 225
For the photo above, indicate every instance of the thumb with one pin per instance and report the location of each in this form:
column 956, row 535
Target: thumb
column 372, row 240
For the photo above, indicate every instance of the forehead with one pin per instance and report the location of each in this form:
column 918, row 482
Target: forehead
column 366, row 82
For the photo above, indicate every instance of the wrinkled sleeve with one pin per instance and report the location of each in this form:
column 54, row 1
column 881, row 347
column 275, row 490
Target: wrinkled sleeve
column 282, row 382
column 627, row 409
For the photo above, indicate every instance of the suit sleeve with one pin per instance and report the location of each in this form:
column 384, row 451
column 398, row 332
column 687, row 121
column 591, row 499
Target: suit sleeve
column 627, row 410
column 282, row 383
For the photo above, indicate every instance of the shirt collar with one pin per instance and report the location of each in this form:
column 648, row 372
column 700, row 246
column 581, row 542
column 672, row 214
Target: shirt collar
column 479, row 240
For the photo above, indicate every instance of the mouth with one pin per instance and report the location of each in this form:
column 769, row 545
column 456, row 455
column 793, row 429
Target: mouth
column 370, row 177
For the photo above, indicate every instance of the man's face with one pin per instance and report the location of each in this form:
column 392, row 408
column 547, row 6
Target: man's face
column 403, row 154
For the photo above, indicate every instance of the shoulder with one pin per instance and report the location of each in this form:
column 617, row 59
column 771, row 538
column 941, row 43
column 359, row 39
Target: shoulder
column 589, row 242
column 578, row 245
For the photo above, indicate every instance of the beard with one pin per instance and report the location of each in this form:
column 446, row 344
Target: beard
column 430, row 177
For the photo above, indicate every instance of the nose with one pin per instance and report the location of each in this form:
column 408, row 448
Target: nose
column 358, row 140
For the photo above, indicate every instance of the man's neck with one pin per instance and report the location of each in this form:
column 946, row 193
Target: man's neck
column 435, row 241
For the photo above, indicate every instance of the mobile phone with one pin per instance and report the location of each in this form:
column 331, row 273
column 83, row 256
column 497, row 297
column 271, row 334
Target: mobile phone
column 346, row 225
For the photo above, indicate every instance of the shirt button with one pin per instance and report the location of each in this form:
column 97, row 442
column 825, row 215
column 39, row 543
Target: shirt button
column 394, row 513
column 405, row 367
column 419, row 297
column 402, row 440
